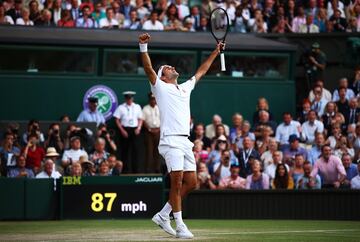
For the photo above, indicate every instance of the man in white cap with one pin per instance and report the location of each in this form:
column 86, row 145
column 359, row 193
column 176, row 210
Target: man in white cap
column 128, row 118
column 174, row 105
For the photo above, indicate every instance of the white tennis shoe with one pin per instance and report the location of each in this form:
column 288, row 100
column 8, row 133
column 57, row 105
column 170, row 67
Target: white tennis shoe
column 164, row 223
column 183, row 232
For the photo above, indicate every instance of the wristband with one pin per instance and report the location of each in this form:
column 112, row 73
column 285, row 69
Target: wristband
column 143, row 47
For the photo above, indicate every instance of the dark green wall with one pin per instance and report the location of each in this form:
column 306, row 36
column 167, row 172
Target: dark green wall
column 47, row 98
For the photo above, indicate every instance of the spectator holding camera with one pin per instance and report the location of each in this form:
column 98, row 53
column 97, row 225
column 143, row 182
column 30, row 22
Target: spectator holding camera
column 234, row 181
column 33, row 153
column 222, row 168
column 306, row 181
column 20, row 170
column 8, row 154
column 257, row 180
column 314, row 63
column 91, row 114
column 204, row 178
column 292, row 149
column 33, row 127
column 54, row 138
column 103, row 132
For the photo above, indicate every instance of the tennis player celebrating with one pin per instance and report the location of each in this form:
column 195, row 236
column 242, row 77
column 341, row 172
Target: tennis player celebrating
column 174, row 105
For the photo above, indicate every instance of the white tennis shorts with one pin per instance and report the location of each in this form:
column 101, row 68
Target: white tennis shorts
column 177, row 152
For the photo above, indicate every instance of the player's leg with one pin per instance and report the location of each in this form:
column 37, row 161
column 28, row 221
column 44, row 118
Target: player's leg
column 189, row 183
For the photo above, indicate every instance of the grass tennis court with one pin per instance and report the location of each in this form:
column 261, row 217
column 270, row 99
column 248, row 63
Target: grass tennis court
column 204, row 230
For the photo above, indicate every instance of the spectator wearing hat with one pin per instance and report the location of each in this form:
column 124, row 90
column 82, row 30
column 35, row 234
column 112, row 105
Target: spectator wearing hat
column 91, row 114
column 276, row 160
column 48, row 170
column 350, row 168
column 292, row 149
column 33, row 153
column 315, row 63
column 20, row 170
column 54, row 139
column 355, row 182
column 310, row 128
column 234, row 181
column 257, row 180
column 306, row 181
column 215, row 155
column 246, row 156
column 128, row 118
column 151, row 117
column 8, row 154
column 51, row 153
column 88, row 167
column 330, row 168
column 74, row 153
column 287, row 128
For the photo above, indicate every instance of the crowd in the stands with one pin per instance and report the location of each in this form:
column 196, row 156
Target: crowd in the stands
column 255, row 16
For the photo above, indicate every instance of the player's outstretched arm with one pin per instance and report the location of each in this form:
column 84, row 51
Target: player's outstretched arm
column 207, row 63
column 143, row 41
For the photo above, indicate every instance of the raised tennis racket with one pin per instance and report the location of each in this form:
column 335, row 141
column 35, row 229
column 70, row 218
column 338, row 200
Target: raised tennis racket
column 219, row 22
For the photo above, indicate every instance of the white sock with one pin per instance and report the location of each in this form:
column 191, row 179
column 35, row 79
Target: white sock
column 165, row 211
column 178, row 219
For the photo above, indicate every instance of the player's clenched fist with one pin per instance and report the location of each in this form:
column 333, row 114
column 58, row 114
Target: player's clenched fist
column 144, row 38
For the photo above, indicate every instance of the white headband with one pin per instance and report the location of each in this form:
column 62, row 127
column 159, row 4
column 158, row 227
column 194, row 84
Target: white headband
column 159, row 73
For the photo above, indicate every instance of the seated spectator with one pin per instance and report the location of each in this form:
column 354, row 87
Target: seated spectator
column 210, row 128
column 115, row 166
column 320, row 20
column 171, row 19
column 267, row 156
column 330, row 168
column 187, row 25
column 246, row 156
column 353, row 113
column 204, row 178
column 54, row 139
column 299, row 20
column 204, row 25
column 257, row 180
column 222, row 168
column 33, row 153
column 282, row 179
column 15, row 12
column 48, row 170
column 76, row 169
column 8, row 154
column 302, row 115
column 329, row 116
column 88, row 167
column 219, row 131
column 85, row 21
column 35, row 14
column 74, row 153
column 237, row 120
column 100, row 154
column 234, row 181
column 13, row 128
column 352, row 26
column 240, row 20
column 33, row 127
column 195, row 17
column 309, row 26
column 344, row 86
column 264, row 121
column 183, row 10
column 315, row 152
column 262, row 143
column 262, row 104
column 76, row 12
column 5, row 19
column 306, row 181
column 54, row 156
column 200, row 154
column 104, row 169
column 277, row 159
column 334, row 140
column 91, row 114
column 198, row 134
column 142, row 12
column 46, row 19
column 290, row 11
column 66, row 19
column 133, row 22
column 98, row 14
column 355, row 182
column 329, row 25
column 350, row 168
column 293, row 149
column 339, row 22
column 20, row 170
column 85, row 135
column 281, row 27
column 103, row 132
column 245, row 132
column 319, row 103
column 310, row 128
column 25, row 18
column 108, row 23
column 356, row 83
column 343, row 148
column 126, row 7
column 153, row 23
column 287, row 128
column 297, row 171
column 257, row 24
column 325, row 94
column 119, row 16
column 56, row 11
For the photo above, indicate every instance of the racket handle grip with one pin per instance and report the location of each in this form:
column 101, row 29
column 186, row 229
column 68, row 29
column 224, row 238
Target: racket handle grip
column 222, row 61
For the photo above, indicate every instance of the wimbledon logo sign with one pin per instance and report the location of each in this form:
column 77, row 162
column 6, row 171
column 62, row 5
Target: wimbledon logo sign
column 107, row 100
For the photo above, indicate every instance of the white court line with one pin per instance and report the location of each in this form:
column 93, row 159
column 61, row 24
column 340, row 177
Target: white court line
column 285, row 231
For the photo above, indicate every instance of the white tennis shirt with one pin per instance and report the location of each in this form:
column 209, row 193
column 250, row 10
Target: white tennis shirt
column 174, row 105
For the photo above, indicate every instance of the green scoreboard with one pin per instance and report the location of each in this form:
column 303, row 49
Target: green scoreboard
column 111, row 197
